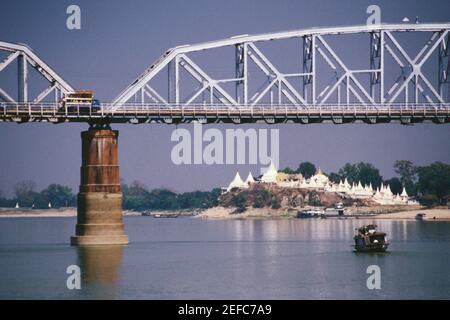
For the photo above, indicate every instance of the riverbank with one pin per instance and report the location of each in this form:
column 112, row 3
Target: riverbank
column 436, row 214
column 388, row 212
column 62, row 212
column 229, row 213
column 25, row 213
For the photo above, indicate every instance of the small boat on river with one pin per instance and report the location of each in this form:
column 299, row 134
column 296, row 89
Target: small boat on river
column 368, row 239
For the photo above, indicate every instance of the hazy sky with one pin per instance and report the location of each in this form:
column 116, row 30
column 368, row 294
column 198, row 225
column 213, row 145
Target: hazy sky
column 119, row 39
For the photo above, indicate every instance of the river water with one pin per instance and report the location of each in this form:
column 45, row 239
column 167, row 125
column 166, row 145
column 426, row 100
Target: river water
column 189, row 258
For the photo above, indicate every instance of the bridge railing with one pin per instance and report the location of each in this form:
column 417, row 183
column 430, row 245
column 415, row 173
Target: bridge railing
column 58, row 110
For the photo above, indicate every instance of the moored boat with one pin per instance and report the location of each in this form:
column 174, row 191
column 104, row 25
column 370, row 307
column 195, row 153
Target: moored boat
column 420, row 216
column 311, row 213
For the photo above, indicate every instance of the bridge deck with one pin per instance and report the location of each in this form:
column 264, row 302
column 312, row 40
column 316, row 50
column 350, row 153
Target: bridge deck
column 138, row 113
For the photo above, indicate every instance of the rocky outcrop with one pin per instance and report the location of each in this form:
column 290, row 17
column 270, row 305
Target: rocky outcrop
column 272, row 196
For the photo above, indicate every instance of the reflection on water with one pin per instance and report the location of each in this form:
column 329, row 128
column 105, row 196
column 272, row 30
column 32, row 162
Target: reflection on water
column 100, row 264
column 240, row 259
column 100, row 267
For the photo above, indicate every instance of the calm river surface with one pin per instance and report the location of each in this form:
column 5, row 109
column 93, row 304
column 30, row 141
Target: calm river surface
column 201, row 259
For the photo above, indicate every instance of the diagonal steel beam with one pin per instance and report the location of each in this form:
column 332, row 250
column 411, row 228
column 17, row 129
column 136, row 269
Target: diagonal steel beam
column 278, row 74
column 6, row 97
column 8, row 60
column 156, row 94
column 44, row 93
column 347, row 70
column 416, row 65
column 208, row 79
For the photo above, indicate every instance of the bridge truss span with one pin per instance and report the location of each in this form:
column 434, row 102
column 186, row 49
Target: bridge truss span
column 25, row 57
column 393, row 74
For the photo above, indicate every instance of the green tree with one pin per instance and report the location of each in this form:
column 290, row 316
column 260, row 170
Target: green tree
column 314, row 199
column 361, row 171
column 240, row 200
column 39, row 200
column 6, row 203
column 275, row 203
column 261, row 198
column 307, row 169
column 429, row 200
column 24, row 192
column 434, row 180
column 213, row 197
column 136, row 188
column 163, row 199
column 395, row 184
column 288, row 170
column 57, row 195
column 408, row 175
column 334, row 177
column 406, row 171
column 135, row 196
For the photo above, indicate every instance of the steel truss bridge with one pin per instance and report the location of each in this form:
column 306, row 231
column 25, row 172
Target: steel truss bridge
column 397, row 84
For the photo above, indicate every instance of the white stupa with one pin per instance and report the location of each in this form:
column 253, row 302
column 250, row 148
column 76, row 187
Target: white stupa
column 249, row 179
column 270, row 176
column 319, row 180
column 404, row 193
column 236, row 183
column 382, row 195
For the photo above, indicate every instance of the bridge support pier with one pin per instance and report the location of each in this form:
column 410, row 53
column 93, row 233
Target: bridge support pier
column 99, row 213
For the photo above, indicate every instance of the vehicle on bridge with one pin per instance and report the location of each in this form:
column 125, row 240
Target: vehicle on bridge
column 80, row 102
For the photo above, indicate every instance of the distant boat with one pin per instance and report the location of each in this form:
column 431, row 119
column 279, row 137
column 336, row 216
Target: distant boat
column 420, row 216
column 17, row 205
column 334, row 212
column 340, row 208
column 158, row 215
column 311, row 213
column 148, row 213
column 304, row 214
column 368, row 239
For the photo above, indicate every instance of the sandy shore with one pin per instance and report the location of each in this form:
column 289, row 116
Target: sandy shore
column 15, row 213
column 250, row 213
column 431, row 214
column 396, row 213
column 64, row 212
column 436, row 214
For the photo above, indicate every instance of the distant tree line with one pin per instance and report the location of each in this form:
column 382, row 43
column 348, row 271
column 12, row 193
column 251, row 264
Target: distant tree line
column 26, row 196
column 430, row 184
column 136, row 196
